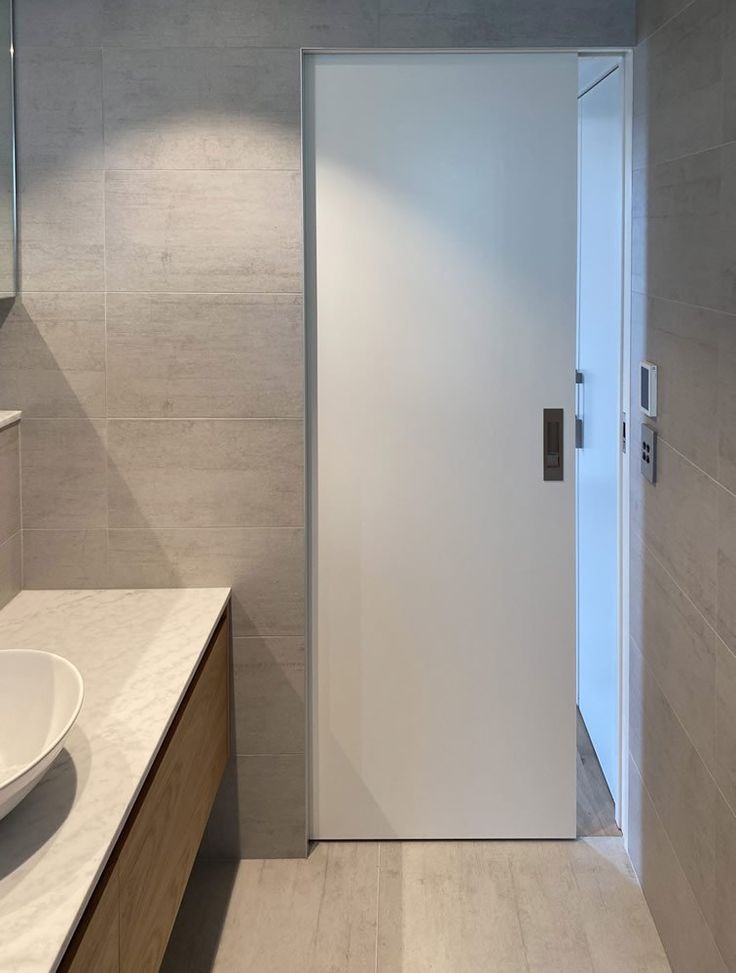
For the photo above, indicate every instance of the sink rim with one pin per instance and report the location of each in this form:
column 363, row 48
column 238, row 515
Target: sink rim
column 59, row 737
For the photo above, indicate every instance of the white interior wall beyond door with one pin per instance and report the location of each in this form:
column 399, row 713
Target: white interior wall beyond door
column 441, row 227
column 601, row 184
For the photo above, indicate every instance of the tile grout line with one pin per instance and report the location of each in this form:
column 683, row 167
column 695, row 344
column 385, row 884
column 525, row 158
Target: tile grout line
column 676, row 715
column 665, row 832
column 683, row 592
column 674, row 300
column 645, row 40
column 721, row 486
column 680, row 158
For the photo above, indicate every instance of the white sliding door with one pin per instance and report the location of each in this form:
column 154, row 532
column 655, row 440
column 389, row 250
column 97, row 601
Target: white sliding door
column 441, row 228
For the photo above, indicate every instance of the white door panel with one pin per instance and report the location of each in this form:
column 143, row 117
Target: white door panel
column 441, row 202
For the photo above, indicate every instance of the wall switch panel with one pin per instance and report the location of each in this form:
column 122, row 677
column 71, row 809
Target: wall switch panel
column 649, row 453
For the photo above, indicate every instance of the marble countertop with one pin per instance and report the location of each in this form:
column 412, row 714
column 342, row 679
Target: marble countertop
column 8, row 418
column 137, row 652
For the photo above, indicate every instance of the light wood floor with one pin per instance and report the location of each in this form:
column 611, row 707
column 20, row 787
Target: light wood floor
column 429, row 907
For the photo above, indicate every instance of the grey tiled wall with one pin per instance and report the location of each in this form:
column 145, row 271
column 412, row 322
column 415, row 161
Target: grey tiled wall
column 157, row 347
column 10, row 531
column 682, row 826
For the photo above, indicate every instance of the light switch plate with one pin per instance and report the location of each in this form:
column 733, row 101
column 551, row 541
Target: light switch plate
column 649, row 453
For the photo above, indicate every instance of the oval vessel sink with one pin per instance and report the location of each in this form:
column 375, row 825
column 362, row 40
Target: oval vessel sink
column 40, row 698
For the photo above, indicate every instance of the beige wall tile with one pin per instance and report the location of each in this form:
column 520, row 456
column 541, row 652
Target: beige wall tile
column 264, row 566
column 679, row 85
column 727, row 404
column 187, row 355
column 680, row 786
column 63, row 473
column 726, row 613
column 685, row 226
column 449, row 23
column 652, row 14
column 75, row 23
column 65, row 558
column 52, row 355
column 724, row 925
column 205, row 473
column 165, row 111
column 686, row 936
column 59, row 106
column 684, row 342
column 726, row 722
column 269, row 689
column 677, row 644
column 260, row 810
column 203, row 231
column 10, row 569
column 9, row 482
column 61, row 230
column 678, row 518
column 230, row 23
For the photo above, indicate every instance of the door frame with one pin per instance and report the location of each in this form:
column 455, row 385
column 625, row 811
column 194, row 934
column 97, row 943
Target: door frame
column 310, row 400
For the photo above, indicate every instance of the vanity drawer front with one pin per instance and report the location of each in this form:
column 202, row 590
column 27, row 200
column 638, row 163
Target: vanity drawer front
column 162, row 838
column 126, row 926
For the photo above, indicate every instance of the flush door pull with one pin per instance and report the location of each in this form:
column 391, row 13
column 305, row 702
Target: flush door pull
column 553, row 461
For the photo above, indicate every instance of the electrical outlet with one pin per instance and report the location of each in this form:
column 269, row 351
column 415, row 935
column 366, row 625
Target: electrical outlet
column 649, row 453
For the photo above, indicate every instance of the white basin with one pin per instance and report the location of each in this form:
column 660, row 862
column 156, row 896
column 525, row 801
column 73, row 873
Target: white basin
column 40, row 698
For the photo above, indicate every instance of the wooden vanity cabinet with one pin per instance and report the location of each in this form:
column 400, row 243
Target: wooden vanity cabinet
column 127, row 924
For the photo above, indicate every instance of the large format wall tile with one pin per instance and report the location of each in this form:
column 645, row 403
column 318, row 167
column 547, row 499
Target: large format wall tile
column 726, row 612
column 9, row 482
column 61, row 230
column 724, row 925
column 65, row 558
column 240, row 23
column 678, row 646
column 727, row 404
column 678, row 85
column 59, row 104
column 165, row 111
column 73, row 23
column 10, row 569
column 684, row 229
column 653, row 14
column 684, row 341
column 268, row 688
column 725, row 771
column 203, row 231
column 205, row 472
column 52, row 355
column 685, row 933
column 264, row 567
column 63, row 479
column 473, row 23
column 678, row 518
column 260, row 811
column 188, row 355
column 682, row 790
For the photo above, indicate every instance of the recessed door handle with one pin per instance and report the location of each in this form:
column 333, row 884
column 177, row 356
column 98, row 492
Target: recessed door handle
column 553, row 438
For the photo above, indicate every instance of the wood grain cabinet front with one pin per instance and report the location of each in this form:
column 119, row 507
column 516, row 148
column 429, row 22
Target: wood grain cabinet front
column 127, row 924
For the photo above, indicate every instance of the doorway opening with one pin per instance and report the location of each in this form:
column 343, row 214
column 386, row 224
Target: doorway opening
column 600, row 428
column 454, row 417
